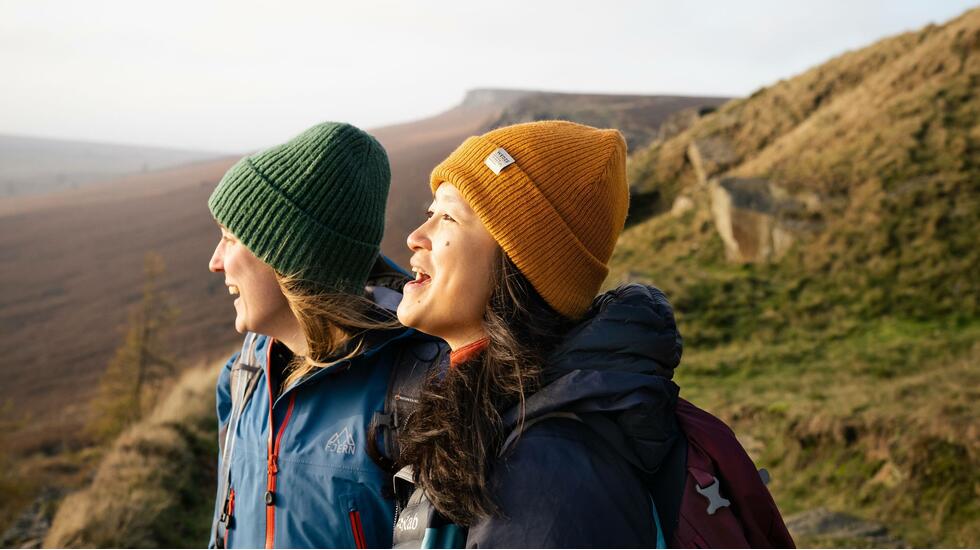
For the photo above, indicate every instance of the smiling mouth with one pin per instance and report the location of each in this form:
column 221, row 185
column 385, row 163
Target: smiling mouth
column 421, row 277
column 233, row 290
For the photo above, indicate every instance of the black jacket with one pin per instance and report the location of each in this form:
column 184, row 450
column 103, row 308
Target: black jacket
column 569, row 483
column 602, row 422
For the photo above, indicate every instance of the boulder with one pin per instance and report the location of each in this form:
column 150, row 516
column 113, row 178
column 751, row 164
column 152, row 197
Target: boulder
column 758, row 220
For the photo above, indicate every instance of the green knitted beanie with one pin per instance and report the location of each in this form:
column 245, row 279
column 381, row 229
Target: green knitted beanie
column 313, row 207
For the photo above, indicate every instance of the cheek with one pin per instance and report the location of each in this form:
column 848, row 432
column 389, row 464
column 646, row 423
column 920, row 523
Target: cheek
column 267, row 294
column 471, row 283
column 260, row 288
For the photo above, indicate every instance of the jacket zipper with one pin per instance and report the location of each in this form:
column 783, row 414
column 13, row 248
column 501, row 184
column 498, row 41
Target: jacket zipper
column 357, row 529
column 231, row 514
column 275, row 438
column 394, row 523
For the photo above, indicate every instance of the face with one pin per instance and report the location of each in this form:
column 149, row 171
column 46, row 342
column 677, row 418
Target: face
column 453, row 260
column 260, row 305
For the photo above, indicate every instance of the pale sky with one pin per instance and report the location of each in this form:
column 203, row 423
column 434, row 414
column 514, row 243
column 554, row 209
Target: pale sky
column 239, row 75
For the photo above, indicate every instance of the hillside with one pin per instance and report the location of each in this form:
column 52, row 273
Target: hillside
column 38, row 166
column 170, row 458
column 818, row 240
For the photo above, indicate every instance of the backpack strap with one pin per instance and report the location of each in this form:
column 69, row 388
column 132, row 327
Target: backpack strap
column 413, row 364
column 726, row 503
column 418, row 524
column 243, row 380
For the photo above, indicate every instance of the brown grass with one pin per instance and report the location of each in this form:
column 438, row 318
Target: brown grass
column 154, row 487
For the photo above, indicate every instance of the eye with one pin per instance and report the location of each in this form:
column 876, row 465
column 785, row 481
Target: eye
column 448, row 218
column 428, row 214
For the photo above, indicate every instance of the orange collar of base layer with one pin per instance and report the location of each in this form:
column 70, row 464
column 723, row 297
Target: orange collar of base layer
column 468, row 352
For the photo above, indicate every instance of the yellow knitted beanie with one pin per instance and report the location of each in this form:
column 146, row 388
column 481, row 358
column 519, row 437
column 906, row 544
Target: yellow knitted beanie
column 554, row 196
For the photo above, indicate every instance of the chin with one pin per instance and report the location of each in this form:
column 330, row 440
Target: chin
column 405, row 318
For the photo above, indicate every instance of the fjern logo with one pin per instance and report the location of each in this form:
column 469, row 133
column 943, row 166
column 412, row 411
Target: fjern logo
column 341, row 443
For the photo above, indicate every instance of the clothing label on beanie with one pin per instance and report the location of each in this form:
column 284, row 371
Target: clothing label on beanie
column 498, row 160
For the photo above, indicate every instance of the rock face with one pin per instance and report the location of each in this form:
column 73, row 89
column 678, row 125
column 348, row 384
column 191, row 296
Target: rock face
column 757, row 219
column 710, row 156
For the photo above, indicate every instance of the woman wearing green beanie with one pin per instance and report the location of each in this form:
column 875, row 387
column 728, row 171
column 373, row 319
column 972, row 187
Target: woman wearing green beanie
column 300, row 464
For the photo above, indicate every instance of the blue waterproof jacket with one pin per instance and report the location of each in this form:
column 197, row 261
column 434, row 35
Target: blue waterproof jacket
column 300, row 473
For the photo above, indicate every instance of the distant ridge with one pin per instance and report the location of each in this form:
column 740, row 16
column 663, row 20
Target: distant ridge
column 37, row 166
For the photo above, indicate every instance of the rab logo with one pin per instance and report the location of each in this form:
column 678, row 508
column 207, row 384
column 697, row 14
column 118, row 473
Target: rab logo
column 408, row 522
column 341, row 443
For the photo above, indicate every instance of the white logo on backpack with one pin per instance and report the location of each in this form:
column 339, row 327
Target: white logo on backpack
column 341, row 443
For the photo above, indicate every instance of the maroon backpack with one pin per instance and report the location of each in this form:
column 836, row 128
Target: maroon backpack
column 725, row 503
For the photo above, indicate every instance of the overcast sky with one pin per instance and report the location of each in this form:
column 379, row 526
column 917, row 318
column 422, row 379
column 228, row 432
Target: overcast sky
column 239, row 75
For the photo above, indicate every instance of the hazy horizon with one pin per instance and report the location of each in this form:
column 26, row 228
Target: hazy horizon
column 232, row 77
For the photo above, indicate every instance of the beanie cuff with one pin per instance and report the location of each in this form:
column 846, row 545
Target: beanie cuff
column 526, row 225
column 285, row 237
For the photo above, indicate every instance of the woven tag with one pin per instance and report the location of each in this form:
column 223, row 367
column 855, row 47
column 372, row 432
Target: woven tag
column 498, row 160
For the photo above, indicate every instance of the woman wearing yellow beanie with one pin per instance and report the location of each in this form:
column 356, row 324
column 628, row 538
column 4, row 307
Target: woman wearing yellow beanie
column 557, row 403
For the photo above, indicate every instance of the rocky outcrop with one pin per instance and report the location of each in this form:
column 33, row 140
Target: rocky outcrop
column 758, row 220
column 710, row 156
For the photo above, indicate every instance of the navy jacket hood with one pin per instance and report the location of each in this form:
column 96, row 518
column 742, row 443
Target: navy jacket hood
column 615, row 369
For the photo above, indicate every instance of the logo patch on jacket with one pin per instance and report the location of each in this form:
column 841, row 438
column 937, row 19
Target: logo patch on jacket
column 341, row 443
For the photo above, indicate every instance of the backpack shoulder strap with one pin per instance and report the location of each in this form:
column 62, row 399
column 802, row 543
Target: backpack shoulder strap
column 242, row 382
column 418, row 524
column 726, row 502
column 414, row 362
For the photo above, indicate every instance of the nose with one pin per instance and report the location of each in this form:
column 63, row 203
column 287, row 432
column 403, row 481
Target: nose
column 217, row 263
column 419, row 239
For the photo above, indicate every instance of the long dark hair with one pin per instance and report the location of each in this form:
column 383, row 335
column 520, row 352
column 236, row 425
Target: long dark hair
column 457, row 430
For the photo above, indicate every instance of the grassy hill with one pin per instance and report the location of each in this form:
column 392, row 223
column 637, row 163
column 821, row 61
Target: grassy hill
column 154, row 488
column 818, row 240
